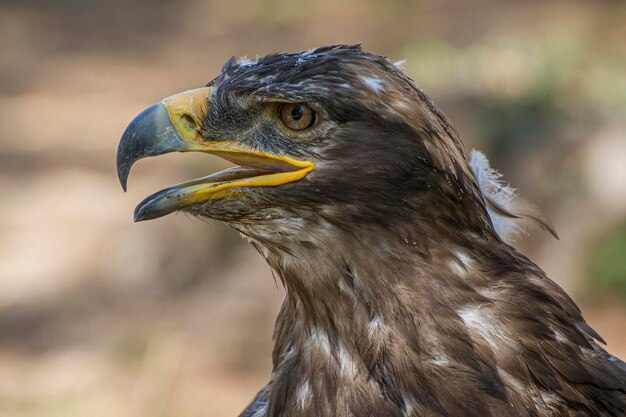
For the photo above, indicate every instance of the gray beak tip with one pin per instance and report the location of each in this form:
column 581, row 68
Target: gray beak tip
column 123, row 177
column 151, row 133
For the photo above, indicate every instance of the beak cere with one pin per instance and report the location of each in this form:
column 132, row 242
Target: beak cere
column 173, row 125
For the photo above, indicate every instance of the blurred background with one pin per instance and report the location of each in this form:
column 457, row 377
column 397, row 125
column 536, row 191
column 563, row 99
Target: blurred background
column 105, row 318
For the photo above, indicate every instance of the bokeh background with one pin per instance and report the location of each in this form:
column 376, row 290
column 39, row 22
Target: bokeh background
column 101, row 317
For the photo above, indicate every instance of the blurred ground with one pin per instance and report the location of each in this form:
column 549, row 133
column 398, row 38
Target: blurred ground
column 103, row 317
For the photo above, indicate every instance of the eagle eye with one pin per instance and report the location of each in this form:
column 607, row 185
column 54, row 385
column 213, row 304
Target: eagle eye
column 297, row 116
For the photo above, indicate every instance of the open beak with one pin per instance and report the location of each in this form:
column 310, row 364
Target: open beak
column 174, row 125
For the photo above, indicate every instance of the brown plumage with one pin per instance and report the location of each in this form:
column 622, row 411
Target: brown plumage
column 403, row 297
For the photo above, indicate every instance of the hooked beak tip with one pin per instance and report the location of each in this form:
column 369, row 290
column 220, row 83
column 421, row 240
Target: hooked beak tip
column 151, row 133
column 123, row 177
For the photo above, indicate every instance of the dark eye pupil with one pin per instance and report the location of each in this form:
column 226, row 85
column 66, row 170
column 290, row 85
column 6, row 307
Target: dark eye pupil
column 297, row 112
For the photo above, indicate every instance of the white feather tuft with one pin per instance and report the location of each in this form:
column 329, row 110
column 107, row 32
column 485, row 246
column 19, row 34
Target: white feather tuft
column 246, row 62
column 510, row 214
column 401, row 64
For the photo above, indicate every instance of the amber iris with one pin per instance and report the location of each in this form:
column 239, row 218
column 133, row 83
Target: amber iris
column 297, row 116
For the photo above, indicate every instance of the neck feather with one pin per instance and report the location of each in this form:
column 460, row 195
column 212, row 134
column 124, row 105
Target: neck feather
column 367, row 310
column 434, row 316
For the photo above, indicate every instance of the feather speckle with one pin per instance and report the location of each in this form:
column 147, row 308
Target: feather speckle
column 376, row 84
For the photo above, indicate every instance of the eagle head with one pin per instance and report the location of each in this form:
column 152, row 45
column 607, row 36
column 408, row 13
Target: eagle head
column 333, row 136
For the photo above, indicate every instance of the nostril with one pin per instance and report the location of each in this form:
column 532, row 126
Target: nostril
column 188, row 122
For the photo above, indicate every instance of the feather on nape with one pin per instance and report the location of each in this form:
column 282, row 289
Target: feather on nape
column 510, row 214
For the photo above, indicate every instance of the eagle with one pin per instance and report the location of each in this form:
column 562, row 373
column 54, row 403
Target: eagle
column 403, row 297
